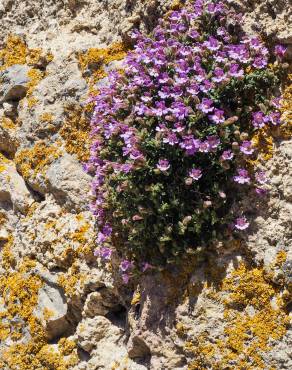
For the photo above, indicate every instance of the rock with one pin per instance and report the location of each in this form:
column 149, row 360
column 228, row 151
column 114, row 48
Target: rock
column 92, row 330
column 52, row 310
column 4, row 235
column 13, row 189
column 8, row 138
column 69, row 184
column 14, row 82
column 99, row 303
column 75, row 87
column 137, row 348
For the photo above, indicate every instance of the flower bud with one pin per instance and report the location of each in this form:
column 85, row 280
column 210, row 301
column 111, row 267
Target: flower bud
column 225, row 165
column 187, row 220
column 207, row 204
column 235, row 145
column 243, row 136
column 189, row 181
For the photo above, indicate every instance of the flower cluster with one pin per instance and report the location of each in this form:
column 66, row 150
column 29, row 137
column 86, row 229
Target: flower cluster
column 171, row 136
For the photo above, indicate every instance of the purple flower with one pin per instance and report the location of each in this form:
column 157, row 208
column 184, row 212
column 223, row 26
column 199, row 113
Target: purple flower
column 107, row 230
column 126, row 265
column 126, row 168
column 179, row 110
column 146, row 266
column 260, row 62
column 213, row 142
column 212, row 44
column 255, row 43
column 276, row 102
column 193, row 89
column 234, row 71
column 241, row 223
column 194, row 34
column 219, row 75
column 280, row 51
column 101, row 238
column 259, row 119
column 190, row 144
column 220, row 57
column 246, row 147
column 163, row 165
column 171, row 139
column 136, row 154
column 260, row 191
column 195, row 174
column 204, row 147
column 261, row 177
column 104, row 253
column 227, row 155
column 206, row 86
column 126, row 278
column 218, row 116
column 274, row 118
column 206, row 105
column 242, row 176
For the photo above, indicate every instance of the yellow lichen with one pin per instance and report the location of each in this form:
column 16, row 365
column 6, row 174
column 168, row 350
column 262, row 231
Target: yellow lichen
column 75, row 132
column 7, row 123
column 4, row 162
column 286, row 109
column 96, row 59
column 7, row 256
column 34, row 161
column 136, row 298
column 263, row 140
column 14, row 52
column 47, row 314
column 47, row 117
column 71, row 279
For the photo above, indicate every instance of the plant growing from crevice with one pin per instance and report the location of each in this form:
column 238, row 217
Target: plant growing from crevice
column 172, row 136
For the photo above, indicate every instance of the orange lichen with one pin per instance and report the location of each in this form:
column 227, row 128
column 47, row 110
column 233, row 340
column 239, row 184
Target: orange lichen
column 34, row 161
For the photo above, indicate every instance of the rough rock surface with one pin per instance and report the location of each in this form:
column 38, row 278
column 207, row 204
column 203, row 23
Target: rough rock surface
column 60, row 307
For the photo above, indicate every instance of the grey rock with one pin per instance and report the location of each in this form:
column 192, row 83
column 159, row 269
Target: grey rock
column 52, row 310
column 14, row 82
column 69, row 184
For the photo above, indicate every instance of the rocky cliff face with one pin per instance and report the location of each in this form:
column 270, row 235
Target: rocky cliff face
column 61, row 308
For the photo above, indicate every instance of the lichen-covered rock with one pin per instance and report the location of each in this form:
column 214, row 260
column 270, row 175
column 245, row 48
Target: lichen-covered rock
column 226, row 309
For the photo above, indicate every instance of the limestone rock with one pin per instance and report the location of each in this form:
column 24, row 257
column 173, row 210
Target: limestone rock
column 52, row 310
column 100, row 303
column 14, row 82
column 13, row 189
column 69, row 184
column 91, row 331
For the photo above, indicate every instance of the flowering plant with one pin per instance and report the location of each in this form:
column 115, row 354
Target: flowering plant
column 172, row 135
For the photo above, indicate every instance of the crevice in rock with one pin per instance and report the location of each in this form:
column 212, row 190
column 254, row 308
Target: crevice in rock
column 118, row 318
